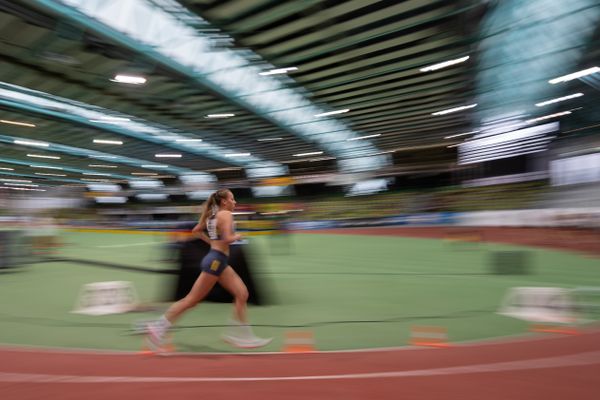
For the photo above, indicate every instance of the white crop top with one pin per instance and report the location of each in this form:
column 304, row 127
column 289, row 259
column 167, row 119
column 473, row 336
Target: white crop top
column 213, row 231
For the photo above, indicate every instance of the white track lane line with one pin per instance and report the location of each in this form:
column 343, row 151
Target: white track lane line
column 575, row 360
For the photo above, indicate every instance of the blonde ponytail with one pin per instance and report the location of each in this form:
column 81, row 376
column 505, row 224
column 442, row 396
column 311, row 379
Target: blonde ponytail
column 211, row 205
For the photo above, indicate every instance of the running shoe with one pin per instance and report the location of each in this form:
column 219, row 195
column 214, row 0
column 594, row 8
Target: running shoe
column 156, row 338
column 246, row 343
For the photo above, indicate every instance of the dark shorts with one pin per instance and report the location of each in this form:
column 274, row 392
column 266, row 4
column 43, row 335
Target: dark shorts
column 214, row 262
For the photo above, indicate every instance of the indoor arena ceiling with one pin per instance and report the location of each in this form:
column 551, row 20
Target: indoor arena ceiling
column 206, row 108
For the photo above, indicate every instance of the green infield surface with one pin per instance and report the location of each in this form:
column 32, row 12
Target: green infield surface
column 350, row 291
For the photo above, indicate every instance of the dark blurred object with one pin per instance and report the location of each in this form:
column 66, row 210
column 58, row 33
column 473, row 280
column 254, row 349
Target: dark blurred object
column 5, row 250
column 191, row 253
column 515, row 262
column 14, row 249
column 280, row 240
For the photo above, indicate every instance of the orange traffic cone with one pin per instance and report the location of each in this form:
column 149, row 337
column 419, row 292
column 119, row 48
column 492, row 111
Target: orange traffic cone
column 431, row 336
column 561, row 329
column 299, row 342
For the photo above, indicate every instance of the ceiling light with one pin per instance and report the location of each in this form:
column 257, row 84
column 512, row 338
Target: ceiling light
column 30, row 143
column 21, row 188
column 15, row 180
column 314, row 153
column 132, row 80
column 574, row 75
column 321, row 159
column 460, row 134
column 96, row 174
column 101, row 156
column 17, row 123
column 451, row 110
column 364, row 137
column 444, row 64
column 559, row 99
column 453, row 145
column 144, row 173
column 220, row 115
column 102, row 166
column 40, row 173
column 101, row 141
column 237, row 155
column 115, row 119
column 274, row 139
column 345, row 110
column 110, row 120
column 100, row 121
column 167, row 155
column 188, row 140
column 21, row 184
column 278, row 71
column 7, row 169
column 42, row 156
column 154, row 166
column 45, row 166
column 560, row 114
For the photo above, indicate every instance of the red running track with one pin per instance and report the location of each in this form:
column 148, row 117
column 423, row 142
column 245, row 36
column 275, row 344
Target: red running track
column 543, row 367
